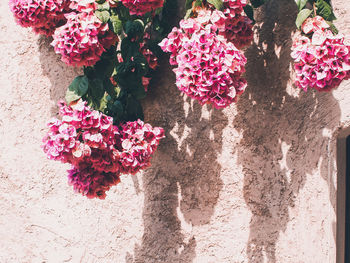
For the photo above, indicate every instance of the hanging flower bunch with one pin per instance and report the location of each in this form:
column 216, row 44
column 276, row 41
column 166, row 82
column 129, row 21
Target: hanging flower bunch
column 101, row 132
column 98, row 150
column 42, row 15
column 205, row 50
column 321, row 55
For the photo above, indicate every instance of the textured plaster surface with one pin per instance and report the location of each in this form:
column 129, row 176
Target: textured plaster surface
column 255, row 182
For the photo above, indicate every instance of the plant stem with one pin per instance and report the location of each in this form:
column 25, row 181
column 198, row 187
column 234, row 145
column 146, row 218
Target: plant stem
column 314, row 6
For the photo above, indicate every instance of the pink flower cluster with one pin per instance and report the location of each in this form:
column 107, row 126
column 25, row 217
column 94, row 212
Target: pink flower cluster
column 323, row 61
column 235, row 5
column 83, row 39
column 238, row 27
column 90, row 182
column 238, row 30
column 136, row 142
column 141, row 7
column 209, row 68
column 78, row 35
column 98, row 151
column 42, row 15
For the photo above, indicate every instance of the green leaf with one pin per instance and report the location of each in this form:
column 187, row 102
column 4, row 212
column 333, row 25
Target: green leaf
column 117, row 24
column 138, row 90
column 102, row 15
column 109, row 88
column 124, row 13
column 100, row 1
column 188, row 4
column 118, row 107
column 133, row 109
column 158, row 11
column 71, row 96
column 301, row 4
column 303, row 14
column 333, row 27
column 325, row 10
column 198, row 3
column 96, row 90
column 103, row 6
column 103, row 103
column 248, row 9
column 77, row 88
column 104, row 68
column 219, row 5
column 188, row 14
column 129, row 49
column 134, row 28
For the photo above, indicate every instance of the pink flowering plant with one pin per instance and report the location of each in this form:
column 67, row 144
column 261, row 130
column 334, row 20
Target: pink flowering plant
column 206, row 50
column 98, row 151
column 101, row 132
column 321, row 55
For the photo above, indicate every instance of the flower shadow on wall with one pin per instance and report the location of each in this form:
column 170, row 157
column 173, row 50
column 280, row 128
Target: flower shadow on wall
column 282, row 134
column 182, row 187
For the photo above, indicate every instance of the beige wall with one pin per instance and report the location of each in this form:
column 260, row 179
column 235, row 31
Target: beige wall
column 255, row 182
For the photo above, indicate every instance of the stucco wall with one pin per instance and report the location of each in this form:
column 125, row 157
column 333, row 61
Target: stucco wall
column 255, row 182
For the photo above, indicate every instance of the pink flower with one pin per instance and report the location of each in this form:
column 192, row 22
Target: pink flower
column 137, row 143
column 98, row 151
column 82, row 40
column 238, row 30
column 42, row 15
column 209, row 68
column 321, row 63
column 232, row 23
column 92, row 183
column 152, row 60
column 313, row 24
column 236, row 5
column 141, row 7
column 87, row 6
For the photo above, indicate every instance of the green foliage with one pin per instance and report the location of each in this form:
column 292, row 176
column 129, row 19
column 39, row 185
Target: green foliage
column 165, row 18
column 248, row 9
column 219, row 5
column 333, row 28
column 134, row 28
column 129, row 49
column 102, row 12
column 96, row 91
column 104, row 6
column 116, row 109
column 77, row 89
column 301, row 4
column 117, row 25
column 114, row 87
column 188, row 4
column 188, row 13
column 103, row 15
column 325, row 10
column 303, row 14
column 133, row 109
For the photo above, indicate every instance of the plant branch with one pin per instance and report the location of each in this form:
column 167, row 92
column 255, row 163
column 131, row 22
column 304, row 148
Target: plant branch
column 314, row 7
